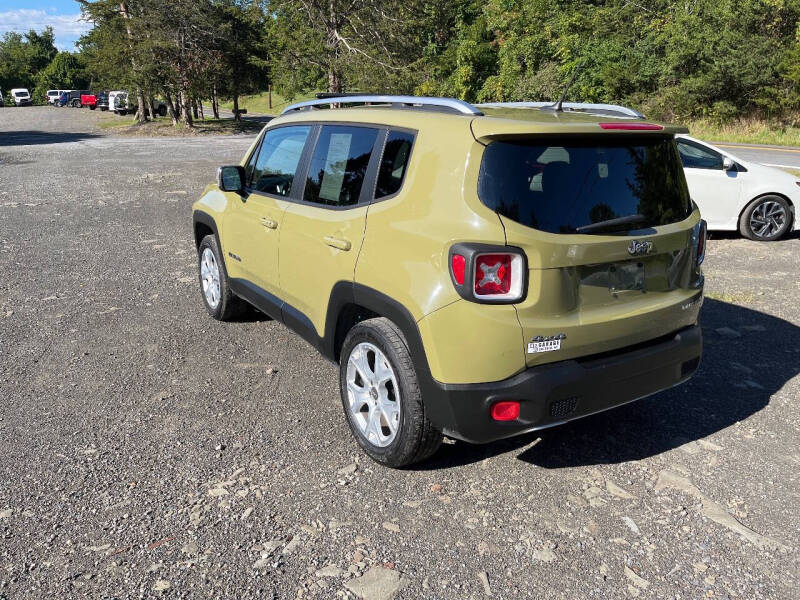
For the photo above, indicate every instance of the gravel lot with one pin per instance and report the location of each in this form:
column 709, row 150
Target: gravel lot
column 149, row 451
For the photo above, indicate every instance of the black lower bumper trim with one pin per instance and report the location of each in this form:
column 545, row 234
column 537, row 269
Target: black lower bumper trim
column 559, row 392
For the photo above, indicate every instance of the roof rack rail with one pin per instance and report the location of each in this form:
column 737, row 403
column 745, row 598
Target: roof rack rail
column 453, row 104
column 599, row 109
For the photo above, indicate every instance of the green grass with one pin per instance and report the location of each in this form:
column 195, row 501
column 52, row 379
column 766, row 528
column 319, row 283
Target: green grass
column 259, row 103
column 746, row 131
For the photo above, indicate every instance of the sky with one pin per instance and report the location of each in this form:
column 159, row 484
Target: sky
column 62, row 15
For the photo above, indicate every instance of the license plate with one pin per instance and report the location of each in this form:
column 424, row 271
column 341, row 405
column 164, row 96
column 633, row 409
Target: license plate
column 625, row 276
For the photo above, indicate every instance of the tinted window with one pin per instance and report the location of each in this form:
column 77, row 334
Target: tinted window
column 563, row 185
column 339, row 165
column 698, row 157
column 394, row 162
column 278, row 158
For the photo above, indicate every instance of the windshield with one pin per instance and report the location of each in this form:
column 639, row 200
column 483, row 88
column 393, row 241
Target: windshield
column 564, row 185
column 20, row 94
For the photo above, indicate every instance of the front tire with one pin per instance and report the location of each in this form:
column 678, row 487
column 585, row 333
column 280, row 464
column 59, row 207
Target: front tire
column 766, row 219
column 381, row 396
column 215, row 289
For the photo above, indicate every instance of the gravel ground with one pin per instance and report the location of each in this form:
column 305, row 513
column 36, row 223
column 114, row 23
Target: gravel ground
column 149, row 451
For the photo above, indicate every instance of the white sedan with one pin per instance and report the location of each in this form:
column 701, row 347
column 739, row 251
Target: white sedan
column 739, row 195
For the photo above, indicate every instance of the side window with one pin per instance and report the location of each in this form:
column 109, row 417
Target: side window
column 394, row 163
column 278, row 158
column 696, row 157
column 339, row 165
column 251, row 164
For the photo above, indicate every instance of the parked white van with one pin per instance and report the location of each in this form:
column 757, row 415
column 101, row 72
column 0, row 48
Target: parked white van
column 21, row 96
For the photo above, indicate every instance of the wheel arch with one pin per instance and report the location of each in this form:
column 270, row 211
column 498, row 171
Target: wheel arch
column 759, row 196
column 351, row 303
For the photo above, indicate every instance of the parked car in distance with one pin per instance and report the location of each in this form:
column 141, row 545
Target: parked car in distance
column 63, row 99
column 75, row 96
column 122, row 103
column 53, row 96
column 89, row 100
column 1, row 98
column 478, row 271
column 21, row 97
column 734, row 194
column 102, row 100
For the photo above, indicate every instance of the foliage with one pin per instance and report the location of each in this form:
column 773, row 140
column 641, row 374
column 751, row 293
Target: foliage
column 23, row 56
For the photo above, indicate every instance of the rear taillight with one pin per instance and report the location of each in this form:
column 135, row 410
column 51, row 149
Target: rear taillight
column 458, row 265
column 498, row 276
column 490, row 274
column 700, row 241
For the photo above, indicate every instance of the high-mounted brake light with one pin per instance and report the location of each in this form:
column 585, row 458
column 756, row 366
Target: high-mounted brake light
column 498, row 276
column 507, row 410
column 632, row 126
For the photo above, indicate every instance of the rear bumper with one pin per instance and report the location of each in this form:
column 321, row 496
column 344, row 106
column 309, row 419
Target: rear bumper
column 559, row 392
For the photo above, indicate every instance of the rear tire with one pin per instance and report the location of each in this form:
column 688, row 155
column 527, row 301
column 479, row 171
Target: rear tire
column 220, row 302
column 381, row 396
column 766, row 219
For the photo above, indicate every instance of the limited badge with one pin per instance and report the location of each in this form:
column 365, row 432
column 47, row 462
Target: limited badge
column 547, row 343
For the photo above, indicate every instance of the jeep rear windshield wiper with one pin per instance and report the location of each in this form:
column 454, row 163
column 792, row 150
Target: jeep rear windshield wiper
column 611, row 224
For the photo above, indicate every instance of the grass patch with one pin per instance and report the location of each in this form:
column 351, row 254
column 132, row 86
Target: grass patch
column 746, row 131
column 259, row 103
column 731, row 297
column 163, row 127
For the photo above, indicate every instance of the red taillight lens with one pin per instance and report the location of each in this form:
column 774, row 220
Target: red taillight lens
column 492, row 274
column 505, row 411
column 701, row 241
column 458, row 264
column 632, row 126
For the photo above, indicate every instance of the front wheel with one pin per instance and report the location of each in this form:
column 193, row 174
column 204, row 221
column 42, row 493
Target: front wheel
column 766, row 219
column 381, row 396
column 218, row 298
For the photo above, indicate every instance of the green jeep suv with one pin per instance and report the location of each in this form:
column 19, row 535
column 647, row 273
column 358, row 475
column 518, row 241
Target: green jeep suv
column 477, row 271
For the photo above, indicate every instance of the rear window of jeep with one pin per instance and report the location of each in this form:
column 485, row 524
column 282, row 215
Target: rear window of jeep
column 561, row 185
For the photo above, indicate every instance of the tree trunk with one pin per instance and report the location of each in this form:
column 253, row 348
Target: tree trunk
column 334, row 80
column 141, row 114
column 170, row 107
column 214, row 102
column 200, row 108
column 269, row 88
column 186, row 109
column 194, row 108
column 236, row 115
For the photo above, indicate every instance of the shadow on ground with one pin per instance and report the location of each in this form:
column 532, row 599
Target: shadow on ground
column 736, row 379
column 38, row 138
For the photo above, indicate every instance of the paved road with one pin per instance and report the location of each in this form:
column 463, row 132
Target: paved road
column 148, row 451
column 773, row 156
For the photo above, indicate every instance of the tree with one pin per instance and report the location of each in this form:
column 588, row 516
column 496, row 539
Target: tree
column 22, row 56
column 65, row 71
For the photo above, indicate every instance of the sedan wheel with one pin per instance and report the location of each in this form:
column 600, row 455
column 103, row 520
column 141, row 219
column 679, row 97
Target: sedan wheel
column 766, row 219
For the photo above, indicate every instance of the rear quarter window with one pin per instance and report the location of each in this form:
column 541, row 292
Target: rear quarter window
column 558, row 185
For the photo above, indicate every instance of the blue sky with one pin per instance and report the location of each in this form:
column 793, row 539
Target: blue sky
column 62, row 15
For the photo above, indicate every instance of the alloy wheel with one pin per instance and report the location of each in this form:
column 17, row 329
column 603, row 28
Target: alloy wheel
column 767, row 219
column 373, row 395
column 209, row 275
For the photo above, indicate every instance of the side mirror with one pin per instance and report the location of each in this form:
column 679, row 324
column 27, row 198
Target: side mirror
column 728, row 164
column 231, row 179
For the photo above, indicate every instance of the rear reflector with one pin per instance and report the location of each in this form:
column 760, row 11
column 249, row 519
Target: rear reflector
column 505, row 411
column 458, row 265
column 632, row 126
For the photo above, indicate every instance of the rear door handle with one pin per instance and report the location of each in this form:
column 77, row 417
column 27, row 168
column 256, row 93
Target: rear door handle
column 338, row 243
column 269, row 223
